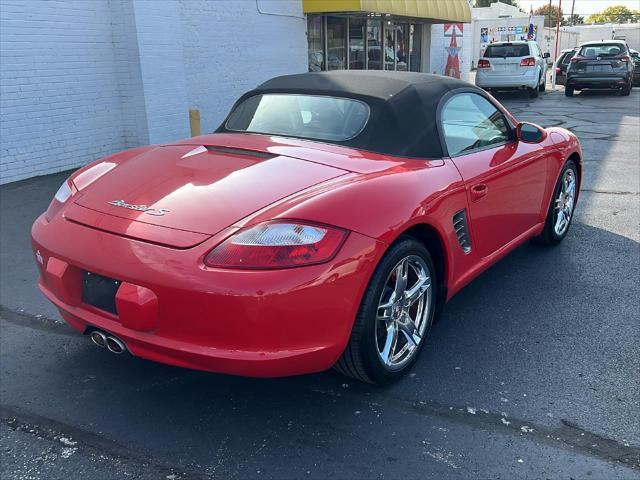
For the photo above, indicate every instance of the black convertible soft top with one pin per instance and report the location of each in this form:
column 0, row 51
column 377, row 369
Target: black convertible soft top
column 403, row 106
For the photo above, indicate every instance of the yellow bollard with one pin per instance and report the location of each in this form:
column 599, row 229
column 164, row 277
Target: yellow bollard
column 194, row 121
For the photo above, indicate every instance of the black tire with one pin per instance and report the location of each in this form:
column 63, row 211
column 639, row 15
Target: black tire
column 534, row 92
column 543, row 83
column 549, row 235
column 626, row 90
column 361, row 359
column 568, row 91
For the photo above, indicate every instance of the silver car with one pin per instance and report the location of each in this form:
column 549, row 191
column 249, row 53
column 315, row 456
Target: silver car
column 513, row 65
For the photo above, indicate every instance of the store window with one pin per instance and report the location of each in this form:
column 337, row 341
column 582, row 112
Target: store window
column 356, row 43
column 336, row 43
column 374, row 44
column 415, row 47
column 316, row 43
column 402, row 53
column 389, row 46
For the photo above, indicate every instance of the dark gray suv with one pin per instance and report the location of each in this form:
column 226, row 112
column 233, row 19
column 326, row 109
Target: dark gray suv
column 605, row 64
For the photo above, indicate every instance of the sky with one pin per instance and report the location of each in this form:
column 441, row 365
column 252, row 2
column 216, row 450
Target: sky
column 583, row 7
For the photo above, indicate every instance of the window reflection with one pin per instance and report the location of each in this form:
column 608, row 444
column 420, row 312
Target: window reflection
column 316, row 46
column 389, row 46
column 356, row 43
column 415, row 47
column 336, row 41
column 401, row 47
column 374, row 44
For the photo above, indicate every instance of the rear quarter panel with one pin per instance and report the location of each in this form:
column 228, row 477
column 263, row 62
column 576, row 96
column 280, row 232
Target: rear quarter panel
column 385, row 204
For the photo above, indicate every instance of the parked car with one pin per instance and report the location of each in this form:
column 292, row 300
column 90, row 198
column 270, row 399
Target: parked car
column 635, row 57
column 562, row 63
column 601, row 65
column 513, row 65
column 325, row 223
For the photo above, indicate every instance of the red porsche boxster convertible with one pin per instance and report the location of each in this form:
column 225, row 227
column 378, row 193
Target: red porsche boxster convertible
column 325, row 223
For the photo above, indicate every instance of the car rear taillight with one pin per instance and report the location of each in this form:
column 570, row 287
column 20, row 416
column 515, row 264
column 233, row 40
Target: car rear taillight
column 64, row 193
column 484, row 64
column 528, row 62
column 576, row 59
column 625, row 58
column 277, row 244
column 558, row 70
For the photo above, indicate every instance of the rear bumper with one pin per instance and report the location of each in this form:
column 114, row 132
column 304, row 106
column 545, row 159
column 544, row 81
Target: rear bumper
column 488, row 79
column 173, row 310
column 600, row 81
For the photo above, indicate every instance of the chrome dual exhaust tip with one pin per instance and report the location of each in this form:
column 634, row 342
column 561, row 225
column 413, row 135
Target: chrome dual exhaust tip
column 113, row 344
column 98, row 338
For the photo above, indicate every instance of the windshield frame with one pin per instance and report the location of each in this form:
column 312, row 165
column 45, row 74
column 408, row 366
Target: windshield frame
column 362, row 128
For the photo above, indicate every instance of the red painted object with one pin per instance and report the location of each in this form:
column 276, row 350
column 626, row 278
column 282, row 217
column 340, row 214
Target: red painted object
column 176, row 204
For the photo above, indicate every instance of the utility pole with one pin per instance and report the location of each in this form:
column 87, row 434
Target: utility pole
column 573, row 6
column 558, row 28
column 555, row 55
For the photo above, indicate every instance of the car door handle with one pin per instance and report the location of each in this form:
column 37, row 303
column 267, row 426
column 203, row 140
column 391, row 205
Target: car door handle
column 478, row 191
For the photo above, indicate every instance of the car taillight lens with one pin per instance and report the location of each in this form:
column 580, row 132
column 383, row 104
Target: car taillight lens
column 558, row 70
column 484, row 64
column 277, row 244
column 625, row 58
column 528, row 62
column 576, row 59
column 64, row 193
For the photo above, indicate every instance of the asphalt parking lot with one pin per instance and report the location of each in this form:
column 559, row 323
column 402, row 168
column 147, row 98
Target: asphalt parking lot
column 531, row 373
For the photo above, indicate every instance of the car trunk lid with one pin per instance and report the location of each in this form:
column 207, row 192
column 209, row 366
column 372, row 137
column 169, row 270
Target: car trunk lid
column 196, row 189
column 598, row 65
column 505, row 66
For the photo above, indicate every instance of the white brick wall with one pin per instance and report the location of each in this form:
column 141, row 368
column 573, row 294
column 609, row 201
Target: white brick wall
column 80, row 79
column 130, row 87
column 229, row 48
column 162, row 67
column 59, row 102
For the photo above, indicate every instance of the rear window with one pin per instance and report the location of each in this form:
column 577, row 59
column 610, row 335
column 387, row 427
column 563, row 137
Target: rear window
column 507, row 50
column 567, row 58
column 305, row 116
column 603, row 50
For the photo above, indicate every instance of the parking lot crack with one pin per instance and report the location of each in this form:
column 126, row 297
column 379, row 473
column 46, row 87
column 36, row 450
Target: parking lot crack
column 36, row 322
column 77, row 440
column 567, row 435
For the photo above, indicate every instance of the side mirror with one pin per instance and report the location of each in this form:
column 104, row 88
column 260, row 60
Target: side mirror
column 530, row 133
column 546, row 55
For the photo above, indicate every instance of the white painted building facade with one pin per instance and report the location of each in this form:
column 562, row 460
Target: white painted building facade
column 82, row 79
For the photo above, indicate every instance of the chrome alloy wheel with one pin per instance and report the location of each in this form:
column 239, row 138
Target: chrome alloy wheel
column 403, row 312
column 565, row 202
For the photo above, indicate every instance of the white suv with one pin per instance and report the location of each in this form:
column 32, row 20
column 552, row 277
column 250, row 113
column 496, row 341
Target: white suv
column 513, row 65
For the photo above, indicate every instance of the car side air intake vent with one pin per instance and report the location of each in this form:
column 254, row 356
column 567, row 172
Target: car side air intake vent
column 462, row 232
column 241, row 151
